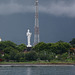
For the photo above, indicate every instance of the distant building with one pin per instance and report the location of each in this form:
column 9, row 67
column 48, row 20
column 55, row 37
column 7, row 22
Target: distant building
column 72, row 50
column 1, row 52
column 0, row 39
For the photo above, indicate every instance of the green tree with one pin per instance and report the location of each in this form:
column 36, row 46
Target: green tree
column 1, row 57
column 60, row 47
column 20, row 57
column 6, row 57
column 72, row 42
column 5, row 44
column 49, row 47
column 60, row 41
column 17, row 57
column 2, row 45
column 40, row 47
column 7, row 50
column 44, row 55
column 64, row 56
column 51, row 56
column 13, row 54
column 9, row 44
column 31, row 56
column 22, row 47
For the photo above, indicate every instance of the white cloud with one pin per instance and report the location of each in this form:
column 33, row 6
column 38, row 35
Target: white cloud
column 56, row 8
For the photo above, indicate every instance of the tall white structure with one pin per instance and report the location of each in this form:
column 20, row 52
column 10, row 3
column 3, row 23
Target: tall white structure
column 28, row 38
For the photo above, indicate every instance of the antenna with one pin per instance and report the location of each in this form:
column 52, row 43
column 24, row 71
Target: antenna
column 36, row 28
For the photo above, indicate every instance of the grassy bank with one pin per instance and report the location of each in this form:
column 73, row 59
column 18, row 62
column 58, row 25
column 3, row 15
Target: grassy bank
column 39, row 62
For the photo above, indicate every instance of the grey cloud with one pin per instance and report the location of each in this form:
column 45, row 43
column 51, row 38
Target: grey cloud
column 55, row 7
column 59, row 8
column 13, row 7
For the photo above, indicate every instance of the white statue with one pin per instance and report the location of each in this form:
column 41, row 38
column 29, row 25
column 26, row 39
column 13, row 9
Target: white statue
column 28, row 38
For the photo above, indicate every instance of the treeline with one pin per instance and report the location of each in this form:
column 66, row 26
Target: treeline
column 59, row 51
column 11, row 51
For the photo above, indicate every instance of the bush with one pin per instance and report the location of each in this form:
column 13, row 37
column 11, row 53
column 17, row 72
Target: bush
column 31, row 56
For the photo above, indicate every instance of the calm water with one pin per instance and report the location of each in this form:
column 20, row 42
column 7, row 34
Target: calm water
column 38, row 70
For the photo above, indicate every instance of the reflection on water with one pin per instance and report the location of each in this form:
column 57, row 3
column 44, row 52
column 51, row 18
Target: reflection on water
column 28, row 71
column 38, row 70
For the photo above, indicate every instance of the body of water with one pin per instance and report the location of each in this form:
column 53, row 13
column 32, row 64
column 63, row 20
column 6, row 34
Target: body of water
column 37, row 70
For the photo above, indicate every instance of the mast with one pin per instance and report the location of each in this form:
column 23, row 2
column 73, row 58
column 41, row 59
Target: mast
column 36, row 28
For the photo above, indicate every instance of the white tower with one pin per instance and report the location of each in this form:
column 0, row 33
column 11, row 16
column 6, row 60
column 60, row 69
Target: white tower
column 28, row 38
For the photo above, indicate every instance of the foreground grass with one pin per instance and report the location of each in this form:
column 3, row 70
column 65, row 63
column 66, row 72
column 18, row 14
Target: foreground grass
column 40, row 62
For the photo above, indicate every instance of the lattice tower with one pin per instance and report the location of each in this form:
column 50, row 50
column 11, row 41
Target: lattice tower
column 36, row 28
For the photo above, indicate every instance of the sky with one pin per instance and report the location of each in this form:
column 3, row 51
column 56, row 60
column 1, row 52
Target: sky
column 56, row 20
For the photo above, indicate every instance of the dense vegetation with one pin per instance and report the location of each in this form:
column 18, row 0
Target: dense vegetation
column 59, row 51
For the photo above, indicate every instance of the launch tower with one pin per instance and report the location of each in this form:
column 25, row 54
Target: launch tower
column 36, row 28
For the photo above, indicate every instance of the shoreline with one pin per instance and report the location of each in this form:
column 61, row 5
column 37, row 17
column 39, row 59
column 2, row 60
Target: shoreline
column 37, row 64
column 31, row 65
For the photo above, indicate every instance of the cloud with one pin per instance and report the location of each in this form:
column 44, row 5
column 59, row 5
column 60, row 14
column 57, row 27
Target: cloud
column 13, row 7
column 59, row 8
